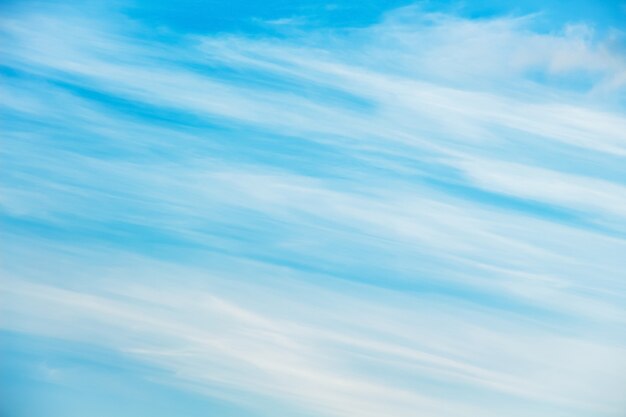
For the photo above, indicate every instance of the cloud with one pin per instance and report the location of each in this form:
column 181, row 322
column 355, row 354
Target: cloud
column 424, row 215
column 603, row 198
column 317, row 356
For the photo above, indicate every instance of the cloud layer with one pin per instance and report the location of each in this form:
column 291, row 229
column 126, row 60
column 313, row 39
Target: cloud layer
column 422, row 216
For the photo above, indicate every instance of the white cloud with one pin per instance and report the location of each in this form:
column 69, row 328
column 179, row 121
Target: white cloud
column 499, row 300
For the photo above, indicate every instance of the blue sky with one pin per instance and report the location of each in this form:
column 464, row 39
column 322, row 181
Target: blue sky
column 313, row 209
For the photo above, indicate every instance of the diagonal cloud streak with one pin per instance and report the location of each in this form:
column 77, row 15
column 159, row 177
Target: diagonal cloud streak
column 423, row 216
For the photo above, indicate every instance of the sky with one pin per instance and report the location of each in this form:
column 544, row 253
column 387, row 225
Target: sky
column 312, row 209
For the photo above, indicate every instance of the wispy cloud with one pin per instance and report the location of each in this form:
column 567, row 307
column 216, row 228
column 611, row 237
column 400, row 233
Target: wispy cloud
column 420, row 216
